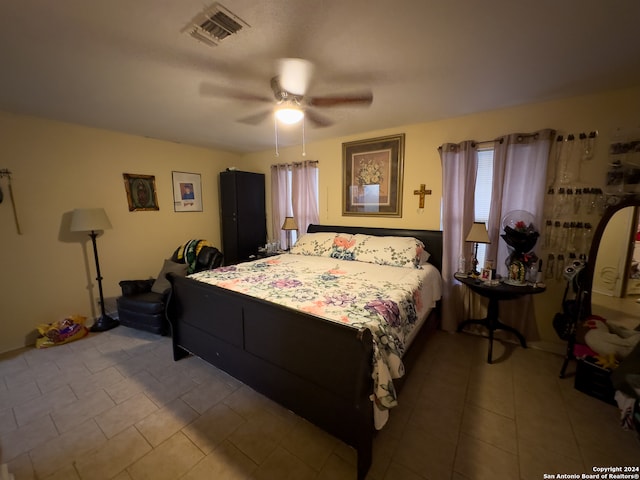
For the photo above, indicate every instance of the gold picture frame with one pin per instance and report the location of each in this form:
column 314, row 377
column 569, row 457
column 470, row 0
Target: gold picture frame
column 372, row 173
column 141, row 192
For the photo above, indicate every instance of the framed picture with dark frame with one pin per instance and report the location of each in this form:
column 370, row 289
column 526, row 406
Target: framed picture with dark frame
column 187, row 192
column 372, row 175
column 141, row 192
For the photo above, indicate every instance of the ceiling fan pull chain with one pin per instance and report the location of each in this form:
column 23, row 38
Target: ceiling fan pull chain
column 304, row 152
column 275, row 124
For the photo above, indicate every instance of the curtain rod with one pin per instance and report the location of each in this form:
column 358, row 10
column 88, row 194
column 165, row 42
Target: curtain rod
column 500, row 140
column 519, row 136
column 484, row 142
column 294, row 163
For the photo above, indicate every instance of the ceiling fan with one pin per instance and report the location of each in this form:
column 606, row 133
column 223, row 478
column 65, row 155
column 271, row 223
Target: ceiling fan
column 290, row 94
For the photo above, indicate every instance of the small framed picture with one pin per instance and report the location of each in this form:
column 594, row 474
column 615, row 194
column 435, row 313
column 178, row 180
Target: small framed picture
column 486, row 275
column 187, row 192
column 141, row 192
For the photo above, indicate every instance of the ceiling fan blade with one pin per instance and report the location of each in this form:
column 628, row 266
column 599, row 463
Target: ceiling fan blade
column 208, row 89
column 256, row 118
column 317, row 120
column 278, row 92
column 360, row 99
column 295, row 74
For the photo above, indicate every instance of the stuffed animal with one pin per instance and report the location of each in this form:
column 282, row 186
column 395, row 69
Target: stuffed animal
column 608, row 361
column 609, row 341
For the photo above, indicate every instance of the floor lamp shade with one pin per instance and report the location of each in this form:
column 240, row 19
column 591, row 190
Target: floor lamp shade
column 92, row 220
column 88, row 219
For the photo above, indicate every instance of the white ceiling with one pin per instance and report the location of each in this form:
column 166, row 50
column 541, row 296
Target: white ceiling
column 125, row 65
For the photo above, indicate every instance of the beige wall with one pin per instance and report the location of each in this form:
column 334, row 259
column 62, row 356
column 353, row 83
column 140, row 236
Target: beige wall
column 605, row 113
column 47, row 272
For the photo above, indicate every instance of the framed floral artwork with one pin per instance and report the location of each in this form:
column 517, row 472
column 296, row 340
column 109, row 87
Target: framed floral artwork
column 187, row 192
column 141, row 192
column 372, row 172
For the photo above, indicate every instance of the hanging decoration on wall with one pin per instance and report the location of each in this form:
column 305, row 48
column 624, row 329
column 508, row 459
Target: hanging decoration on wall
column 572, row 206
column 422, row 192
column 6, row 173
column 141, row 192
column 372, row 176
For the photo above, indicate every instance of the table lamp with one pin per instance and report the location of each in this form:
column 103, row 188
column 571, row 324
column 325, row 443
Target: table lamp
column 92, row 220
column 477, row 234
column 289, row 225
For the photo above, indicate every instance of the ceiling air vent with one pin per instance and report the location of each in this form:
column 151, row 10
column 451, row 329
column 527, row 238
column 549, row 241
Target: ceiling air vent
column 214, row 24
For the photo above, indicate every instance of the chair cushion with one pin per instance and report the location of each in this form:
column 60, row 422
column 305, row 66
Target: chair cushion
column 145, row 303
column 162, row 285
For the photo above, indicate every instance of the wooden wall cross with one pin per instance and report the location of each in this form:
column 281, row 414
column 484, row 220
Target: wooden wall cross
column 422, row 192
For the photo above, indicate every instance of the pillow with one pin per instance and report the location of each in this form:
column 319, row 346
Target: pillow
column 423, row 255
column 319, row 244
column 161, row 285
column 395, row 251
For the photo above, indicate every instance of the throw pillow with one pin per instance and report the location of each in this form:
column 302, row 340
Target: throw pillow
column 161, row 285
column 394, row 251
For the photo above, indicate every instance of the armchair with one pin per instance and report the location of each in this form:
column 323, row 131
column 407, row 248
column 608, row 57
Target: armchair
column 142, row 304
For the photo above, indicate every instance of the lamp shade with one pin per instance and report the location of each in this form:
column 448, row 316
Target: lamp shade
column 89, row 219
column 290, row 224
column 478, row 233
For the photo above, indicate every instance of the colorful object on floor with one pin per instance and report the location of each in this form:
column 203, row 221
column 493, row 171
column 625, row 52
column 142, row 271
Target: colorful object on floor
column 607, row 361
column 62, row 331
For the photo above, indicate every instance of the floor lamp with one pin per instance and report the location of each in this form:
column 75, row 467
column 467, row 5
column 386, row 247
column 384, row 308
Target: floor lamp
column 92, row 220
column 288, row 225
column 477, row 234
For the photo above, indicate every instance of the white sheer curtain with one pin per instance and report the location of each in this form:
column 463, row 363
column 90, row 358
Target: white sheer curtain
column 519, row 174
column 459, row 166
column 294, row 192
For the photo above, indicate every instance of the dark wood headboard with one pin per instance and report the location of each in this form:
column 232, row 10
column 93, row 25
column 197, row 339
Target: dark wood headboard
column 432, row 239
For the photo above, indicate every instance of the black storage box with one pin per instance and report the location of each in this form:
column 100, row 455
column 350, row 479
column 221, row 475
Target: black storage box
column 594, row 380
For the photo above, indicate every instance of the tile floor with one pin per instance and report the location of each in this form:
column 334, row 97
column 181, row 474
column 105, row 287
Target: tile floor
column 115, row 405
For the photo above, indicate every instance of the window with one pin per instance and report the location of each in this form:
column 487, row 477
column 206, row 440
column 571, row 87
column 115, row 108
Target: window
column 482, row 200
column 294, row 193
column 293, row 233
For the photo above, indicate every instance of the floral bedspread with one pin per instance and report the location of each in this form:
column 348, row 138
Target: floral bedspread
column 389, row 301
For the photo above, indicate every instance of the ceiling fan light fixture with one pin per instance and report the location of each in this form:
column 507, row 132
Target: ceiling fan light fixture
column 289, row 115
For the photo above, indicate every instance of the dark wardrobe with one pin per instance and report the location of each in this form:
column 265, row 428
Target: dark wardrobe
column 243, row 213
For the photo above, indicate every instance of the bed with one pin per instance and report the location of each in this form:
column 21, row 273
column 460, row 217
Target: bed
column 323, row 369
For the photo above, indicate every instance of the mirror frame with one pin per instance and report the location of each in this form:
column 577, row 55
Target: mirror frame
column 626, row 201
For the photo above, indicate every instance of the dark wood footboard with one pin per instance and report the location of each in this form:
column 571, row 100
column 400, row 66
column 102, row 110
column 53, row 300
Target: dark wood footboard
column 319, row 369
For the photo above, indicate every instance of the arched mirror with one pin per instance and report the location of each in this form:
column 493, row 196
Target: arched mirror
column 613, row 268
